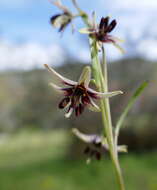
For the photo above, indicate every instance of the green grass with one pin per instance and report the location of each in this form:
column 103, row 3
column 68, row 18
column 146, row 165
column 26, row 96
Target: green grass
column 35, row 161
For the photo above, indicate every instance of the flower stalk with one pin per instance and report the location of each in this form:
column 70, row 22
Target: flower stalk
column 102, row 83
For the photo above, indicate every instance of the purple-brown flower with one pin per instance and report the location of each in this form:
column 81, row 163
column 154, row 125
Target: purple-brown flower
column 96, row 145
column 102, row 32
column 78, row 95
column 61, row 20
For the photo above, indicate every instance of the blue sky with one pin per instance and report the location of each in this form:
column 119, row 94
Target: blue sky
column 25, row 24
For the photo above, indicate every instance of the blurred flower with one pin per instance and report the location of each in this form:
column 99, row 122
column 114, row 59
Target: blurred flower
column 63, row 19
column 102, row 32
column 96, row 145
column 77, row 95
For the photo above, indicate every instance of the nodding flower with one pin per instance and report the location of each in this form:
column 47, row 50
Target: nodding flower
column 102, row 32
column 61, row 20
column 104, row 29
column 78, row 95
column 96, row 145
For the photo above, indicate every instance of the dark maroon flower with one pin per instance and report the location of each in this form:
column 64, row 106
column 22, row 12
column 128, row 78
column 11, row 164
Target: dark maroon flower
column 63, row 19
column 102, row 32
column 96, row 145
column 77, row 95
column 104, row 29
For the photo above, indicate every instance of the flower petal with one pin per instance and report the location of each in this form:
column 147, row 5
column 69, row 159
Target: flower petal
column 64, row 103
column 70, row 111
column 86, row 31
column 109, row 94
column 94, row 94
column 86, row 138
column 59, row 77
column 60, row 21
column 93, row 106
column 85, row 77
column 122, row 148
column 104, row 22
column 116, row 39
column 53, row 18
column 61, row 90
column 59, row 4
column 79, row 109
column 56, row 87
column 111, row 26
column 119, row 48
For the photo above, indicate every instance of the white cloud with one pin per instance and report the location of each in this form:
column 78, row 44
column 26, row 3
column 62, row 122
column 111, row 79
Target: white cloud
column 29, row 55
column 148, row 48
column 130, row 4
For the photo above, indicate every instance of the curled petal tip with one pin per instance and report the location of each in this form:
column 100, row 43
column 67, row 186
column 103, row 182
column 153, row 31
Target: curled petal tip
column 116, row 93
column 88, row 161
column 59, row 77
column 74, row 130
column 46, row 65
column 107, row 94
column 93, row 106
column 122, row 148
column 48, row 68
column 56, row 87
column 68, row 114
column 119, row 48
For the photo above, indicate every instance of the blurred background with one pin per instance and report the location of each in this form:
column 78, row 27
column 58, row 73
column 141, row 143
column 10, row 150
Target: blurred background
column 37, row 149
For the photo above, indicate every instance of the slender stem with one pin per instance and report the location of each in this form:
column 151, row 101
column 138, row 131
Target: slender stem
column 114, row 155
column 102, row 84
column 82, row 13
column 105, row 87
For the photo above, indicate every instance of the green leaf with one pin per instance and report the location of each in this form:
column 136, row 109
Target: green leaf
column 132, row 100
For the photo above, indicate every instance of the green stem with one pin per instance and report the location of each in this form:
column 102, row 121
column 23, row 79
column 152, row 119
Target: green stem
column 81, row 13
column 102, row 83
column 113, row 152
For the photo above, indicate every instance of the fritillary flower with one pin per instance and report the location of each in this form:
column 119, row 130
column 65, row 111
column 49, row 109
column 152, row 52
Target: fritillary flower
column 102, row 32
column 63, row 19
column 96, row 145
column 78, row 95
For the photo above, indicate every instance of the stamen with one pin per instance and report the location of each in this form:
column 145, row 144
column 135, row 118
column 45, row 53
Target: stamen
column 64, row 103
column 85, row 100
column 68, row 91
